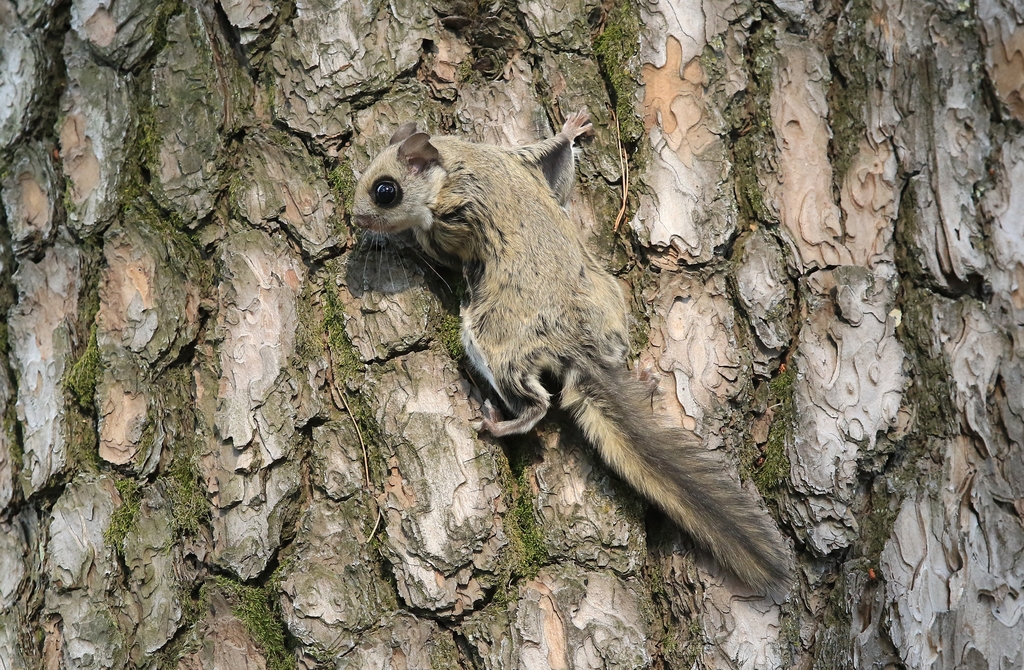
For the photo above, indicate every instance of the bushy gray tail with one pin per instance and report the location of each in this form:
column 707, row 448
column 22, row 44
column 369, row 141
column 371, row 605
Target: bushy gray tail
column 673, row 470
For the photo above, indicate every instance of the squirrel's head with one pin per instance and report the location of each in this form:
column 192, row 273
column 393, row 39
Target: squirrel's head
column 401, row 185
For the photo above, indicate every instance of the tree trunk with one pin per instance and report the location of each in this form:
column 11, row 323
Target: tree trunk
column 236, row 435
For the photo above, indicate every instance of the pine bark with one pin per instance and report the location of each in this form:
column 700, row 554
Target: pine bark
column 236, row 434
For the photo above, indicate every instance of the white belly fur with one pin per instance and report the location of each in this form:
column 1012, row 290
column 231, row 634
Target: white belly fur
column 476, row 357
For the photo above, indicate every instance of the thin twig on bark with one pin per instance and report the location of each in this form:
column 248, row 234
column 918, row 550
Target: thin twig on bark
column 623, row 170
column 341, row 402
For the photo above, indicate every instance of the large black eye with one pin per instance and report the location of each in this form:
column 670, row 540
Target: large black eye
column 386, row 193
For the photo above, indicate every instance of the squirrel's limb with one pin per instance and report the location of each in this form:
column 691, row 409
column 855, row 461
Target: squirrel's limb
column 577, row 124
column 527, row 419
column 554, row 156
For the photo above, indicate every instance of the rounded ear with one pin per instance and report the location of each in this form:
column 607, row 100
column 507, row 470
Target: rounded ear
column 404, row 131
column 418, row 153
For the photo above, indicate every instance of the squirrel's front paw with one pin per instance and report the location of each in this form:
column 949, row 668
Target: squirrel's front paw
column 577, row 124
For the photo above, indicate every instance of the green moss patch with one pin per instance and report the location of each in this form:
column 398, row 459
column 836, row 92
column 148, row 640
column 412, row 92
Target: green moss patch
column 82, row 376
column 616, row 48
column 189, row 507
column 189, row 638
column 309, row 341
column 876, row 525
column 349, row 372
column 347, row 365
column 749, row 115
column 81, row 380
column 640, row 279
column 125, row 517
column 260, row 612
column 932, row 392
column 8, row 424
column 443, row 652
column 343, row 182
column 769, row 467
column 526, row 542
column 449, row 331
column 848, row 91
column 693, row 646
column 141, row 152
column 832, row 648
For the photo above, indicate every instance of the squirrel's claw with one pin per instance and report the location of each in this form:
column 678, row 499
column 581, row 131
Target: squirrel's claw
column 578, row 123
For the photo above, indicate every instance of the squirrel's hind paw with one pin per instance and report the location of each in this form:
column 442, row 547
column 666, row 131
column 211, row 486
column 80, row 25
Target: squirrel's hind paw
column 491, row 417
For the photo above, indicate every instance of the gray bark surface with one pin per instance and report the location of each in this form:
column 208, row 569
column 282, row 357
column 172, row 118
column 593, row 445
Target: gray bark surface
column 236, row 434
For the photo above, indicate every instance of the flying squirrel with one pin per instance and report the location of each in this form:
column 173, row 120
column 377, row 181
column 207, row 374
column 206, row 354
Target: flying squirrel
column 539, row 306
